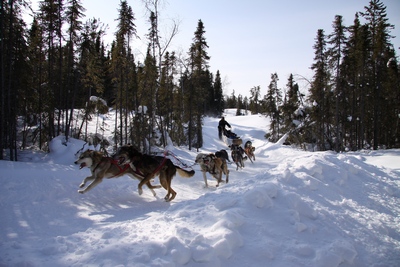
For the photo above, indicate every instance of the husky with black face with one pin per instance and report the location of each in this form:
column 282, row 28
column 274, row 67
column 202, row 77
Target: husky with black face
column 214, row 165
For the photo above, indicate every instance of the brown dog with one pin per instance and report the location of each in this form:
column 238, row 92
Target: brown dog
column 213, row 165
column 150, row 166
column 105, row 167
column 249, row 151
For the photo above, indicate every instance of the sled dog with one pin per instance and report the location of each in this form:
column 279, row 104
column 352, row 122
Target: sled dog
column 105, row 167
column 149, row 166
column 213, row 165
column 237, row 156
column 222, row 154
column 249, row 150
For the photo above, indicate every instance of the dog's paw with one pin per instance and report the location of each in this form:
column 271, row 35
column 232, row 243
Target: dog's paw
column 81, row 185
column 81, row 191
column 140, row 191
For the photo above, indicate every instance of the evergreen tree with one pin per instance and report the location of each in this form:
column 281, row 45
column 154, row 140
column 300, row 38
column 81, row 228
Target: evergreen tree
column 200, row 82
column 255, row 99
column 147, row 84
column 51, row 21
column 90, row 74
column 218, row 99
column 36, row 55
column 231, row 101
column 246, row 105
column 74, row 12
column 335, row 53
column 381, row 52
column 290, row 105
column 120, row 64
column 320, row 95
column 272, row 103
column 240, row 105
column 14, row 71
column 165, row 96
column 355, row 72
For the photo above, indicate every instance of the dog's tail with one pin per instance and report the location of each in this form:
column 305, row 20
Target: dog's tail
column 184, row 173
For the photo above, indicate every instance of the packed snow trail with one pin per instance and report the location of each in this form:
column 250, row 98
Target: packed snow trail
column 288, row 208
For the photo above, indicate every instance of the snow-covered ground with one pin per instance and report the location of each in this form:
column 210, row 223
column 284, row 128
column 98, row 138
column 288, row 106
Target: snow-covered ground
column 288, row 208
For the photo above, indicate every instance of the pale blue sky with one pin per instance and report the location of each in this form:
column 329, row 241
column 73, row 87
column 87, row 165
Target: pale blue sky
column 248, row 40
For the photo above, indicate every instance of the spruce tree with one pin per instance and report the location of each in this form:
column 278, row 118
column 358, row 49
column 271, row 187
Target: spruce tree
column 290, row 105
column 218, row 99
column 51, row 22
column 335, row 54
column 14, row 74
column 36, row 55
column 320, row 95
column 381, row 52
column 74, row 11
column 355, row 72
column 272, row 103
column 200, row 82
column 255, row 99
column 121, row 66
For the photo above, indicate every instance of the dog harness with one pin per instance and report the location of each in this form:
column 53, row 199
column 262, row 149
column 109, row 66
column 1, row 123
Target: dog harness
column 138, row 172
column 114, row 162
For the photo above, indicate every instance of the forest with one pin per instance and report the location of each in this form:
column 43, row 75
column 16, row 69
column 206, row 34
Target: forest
column 57, row 74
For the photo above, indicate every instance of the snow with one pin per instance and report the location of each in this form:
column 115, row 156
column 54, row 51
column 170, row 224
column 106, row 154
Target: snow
column 98, row 99
column 288, row 208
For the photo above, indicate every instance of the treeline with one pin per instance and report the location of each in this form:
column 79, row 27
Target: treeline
column 56, row 72
column 60, row 64
column 353, row 100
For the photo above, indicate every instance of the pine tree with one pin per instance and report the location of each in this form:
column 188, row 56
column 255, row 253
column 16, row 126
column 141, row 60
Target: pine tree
column 121, row 63
column 147, row 84
column 335, row 53
column 218, row 98
column 240, row 105
column 290, row 106
column 272, row 103
column 165, row 96
column 14, row 71
column 51, row 21
column 89, row 79
column 381, row 52
column 37, row 63
column 355, row 72
column 200, row 82
column 74, row 12
column 320, row 95
column 255, row 99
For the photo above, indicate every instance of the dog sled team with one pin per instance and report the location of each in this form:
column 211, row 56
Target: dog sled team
column 129, row 161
